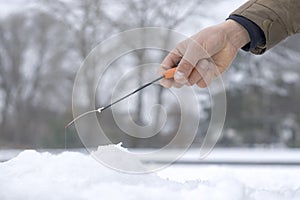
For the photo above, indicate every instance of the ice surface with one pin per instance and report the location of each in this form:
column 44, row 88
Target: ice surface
column 71, row 175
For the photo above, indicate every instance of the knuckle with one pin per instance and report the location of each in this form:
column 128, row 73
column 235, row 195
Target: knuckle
column 177, row 85
column 195, row 77
column 188, row 84
column 201, row 84
column 185, row 67
column 192, row 81
column 165, row 83
column 161, row 71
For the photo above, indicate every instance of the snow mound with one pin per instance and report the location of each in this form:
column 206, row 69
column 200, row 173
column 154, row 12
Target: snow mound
column 71, row 175
column 119, row 158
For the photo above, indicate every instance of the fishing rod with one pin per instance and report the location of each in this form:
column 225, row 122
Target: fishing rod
column 167, row 75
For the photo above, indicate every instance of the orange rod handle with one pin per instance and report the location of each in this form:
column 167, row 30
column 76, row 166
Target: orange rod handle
column 169, row 73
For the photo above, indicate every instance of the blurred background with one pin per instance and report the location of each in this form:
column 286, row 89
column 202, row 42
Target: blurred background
column 43, row 43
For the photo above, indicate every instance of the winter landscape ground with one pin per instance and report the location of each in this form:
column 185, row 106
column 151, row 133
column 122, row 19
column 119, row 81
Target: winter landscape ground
column 74, row 175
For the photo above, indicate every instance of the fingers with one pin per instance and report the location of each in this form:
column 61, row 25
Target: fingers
column 206, row 81
column 164, row 82
column 211, row 44
column 198, row 72
column 194, row 77
column 186, row 73
column 177, row 85
column 193, row 66
column 167, row 83
column 211, row 73
column 183, row 71
column 170, row 61
column 202, row 75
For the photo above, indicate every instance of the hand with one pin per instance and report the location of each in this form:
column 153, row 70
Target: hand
column 205, row 55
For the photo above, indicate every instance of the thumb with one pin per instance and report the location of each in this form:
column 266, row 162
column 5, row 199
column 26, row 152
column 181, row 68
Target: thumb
column 183, row 71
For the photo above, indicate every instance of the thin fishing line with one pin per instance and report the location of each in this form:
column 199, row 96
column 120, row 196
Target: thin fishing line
column 65, row 138
column 82, row 115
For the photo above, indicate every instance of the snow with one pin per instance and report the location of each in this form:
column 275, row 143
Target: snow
column 73, row 175
column 241, row 155
column 118, row 158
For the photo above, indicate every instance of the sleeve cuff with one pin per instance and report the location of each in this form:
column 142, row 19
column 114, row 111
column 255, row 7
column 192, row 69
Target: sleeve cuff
column 257, row 36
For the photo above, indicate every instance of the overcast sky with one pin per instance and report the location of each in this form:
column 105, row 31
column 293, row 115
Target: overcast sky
column 12, row 6
column 215, row 12
column 16, row 5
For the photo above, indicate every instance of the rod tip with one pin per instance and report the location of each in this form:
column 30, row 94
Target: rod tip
column 99, row 109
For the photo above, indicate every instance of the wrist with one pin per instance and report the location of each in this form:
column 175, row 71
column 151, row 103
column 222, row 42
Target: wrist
column 237, row 35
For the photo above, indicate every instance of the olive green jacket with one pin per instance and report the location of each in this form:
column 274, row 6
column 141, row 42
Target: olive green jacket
column 277, row 18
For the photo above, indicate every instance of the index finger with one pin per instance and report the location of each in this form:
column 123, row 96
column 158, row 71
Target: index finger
column 171, row 60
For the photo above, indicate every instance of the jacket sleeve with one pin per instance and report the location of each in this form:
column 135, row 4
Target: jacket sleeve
column 277, row 18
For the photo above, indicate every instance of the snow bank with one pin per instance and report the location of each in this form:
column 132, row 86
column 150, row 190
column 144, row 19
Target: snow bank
column 118, row 158
column 70, row 175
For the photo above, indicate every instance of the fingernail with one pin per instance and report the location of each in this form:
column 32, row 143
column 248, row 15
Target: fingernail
column 179, row 75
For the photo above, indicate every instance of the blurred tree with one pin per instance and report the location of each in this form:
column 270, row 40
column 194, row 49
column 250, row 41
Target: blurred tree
column 142, row 13
column 32, row 63
column 41, row 49
column 88, row 25
column 262, row 92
